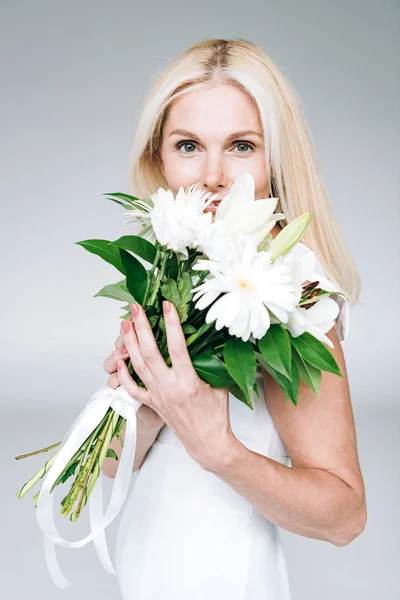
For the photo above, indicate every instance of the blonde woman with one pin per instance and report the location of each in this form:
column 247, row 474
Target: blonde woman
column 214, row 480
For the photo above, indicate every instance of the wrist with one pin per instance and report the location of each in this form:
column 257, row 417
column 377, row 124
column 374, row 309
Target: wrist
column 224, row 456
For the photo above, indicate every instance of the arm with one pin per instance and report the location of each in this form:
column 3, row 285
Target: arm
column 322, row 495
column 149, row 424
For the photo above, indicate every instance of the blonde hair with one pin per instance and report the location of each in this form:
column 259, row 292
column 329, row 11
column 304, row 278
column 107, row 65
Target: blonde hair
column 290, row 156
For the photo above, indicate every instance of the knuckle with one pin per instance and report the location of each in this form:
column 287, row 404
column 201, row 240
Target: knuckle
column 141, row 369
column 147, row 353
column 193, row 389
column 176, row 352
column 106, row 366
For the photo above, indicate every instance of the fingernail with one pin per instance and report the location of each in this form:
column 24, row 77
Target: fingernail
column 125, row 326
column 135, row 309
column 119, row 364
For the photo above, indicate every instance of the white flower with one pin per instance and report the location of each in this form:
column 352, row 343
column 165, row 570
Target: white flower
column 176, row 222
column 241, row 213
column 320, row 317
column 251, row 286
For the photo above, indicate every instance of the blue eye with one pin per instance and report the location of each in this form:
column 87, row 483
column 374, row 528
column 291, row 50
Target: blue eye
column 190, row 143
column 178, row 146
column 245, row 144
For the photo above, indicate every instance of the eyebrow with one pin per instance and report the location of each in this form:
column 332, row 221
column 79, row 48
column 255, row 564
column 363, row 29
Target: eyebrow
column 232, row 136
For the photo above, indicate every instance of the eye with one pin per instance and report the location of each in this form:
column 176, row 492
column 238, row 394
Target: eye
column 238, row 143
column 185, row 143
column 251, row 146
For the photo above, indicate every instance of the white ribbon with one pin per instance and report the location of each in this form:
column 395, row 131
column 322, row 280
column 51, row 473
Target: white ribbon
column 83, row 426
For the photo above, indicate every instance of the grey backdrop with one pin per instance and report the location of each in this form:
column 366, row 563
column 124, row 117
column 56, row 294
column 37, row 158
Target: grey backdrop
column 73, row 78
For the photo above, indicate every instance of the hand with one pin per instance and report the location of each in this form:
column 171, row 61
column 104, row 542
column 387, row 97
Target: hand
column 195, row 411
column 147, row 416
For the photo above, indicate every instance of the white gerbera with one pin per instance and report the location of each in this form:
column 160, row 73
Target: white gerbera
column 176, row 222
column 251, row 286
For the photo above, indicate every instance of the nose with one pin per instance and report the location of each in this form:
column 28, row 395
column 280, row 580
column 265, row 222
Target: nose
column 214, row 176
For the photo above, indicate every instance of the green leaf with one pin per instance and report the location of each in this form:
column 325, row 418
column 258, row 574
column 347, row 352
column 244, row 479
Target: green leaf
column 105, row 250
column 172, row 268
column 136, row 275
column 70, row 471
column 276, row 349
column 189, row 329
column 307, row 372
column 236, row 391
column 255, row 388
column 128, row 198
column 211, row 370
column 280, row 379
column 241, row 364
column 138, row 245
column 316, row 353
column 116, row 291
column 294, row 383
column 179, row 293
column 111, row 454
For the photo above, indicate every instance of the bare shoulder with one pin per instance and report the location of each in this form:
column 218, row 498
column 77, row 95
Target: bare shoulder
column 320, row 431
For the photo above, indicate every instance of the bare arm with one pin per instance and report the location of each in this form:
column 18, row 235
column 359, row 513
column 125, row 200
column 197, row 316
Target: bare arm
column 322, row 496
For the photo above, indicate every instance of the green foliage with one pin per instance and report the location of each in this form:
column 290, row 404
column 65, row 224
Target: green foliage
column 179, row 292
column 240, row 361
column 138, row 245
column 316, row 353
column 111, row 454
column 116, row 291
column 136, row 275
column 105, row 250
column 276, row 349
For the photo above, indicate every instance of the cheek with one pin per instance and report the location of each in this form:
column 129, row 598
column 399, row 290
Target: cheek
column 178, row 172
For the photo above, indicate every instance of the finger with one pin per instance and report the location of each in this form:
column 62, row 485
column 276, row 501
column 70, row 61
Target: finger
column 176, row 343
column 113, row 381
column 147, row 346
column 110, row 364
column 119, row 342
column 136, row 392
column 138, row 363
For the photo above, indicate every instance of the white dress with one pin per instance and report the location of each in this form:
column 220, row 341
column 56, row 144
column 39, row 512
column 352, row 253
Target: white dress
column 186, row 535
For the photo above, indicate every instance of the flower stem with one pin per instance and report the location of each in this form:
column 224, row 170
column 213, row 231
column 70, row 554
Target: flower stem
column 151, row 274
column 159, row 277
column 38, row 451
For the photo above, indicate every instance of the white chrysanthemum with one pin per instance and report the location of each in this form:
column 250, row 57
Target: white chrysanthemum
column 176, row 222
column 249, row 286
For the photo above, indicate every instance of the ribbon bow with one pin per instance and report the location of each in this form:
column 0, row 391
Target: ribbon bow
column 82, row 427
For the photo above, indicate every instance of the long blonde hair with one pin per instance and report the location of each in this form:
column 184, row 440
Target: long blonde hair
column 290, row 156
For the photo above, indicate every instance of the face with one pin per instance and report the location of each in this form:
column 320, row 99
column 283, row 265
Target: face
column 211, row 137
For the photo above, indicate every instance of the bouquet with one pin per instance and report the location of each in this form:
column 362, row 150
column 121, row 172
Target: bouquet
column 244, row 300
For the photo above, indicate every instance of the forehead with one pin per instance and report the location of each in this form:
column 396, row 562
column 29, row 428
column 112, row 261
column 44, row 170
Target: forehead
column 217, row 109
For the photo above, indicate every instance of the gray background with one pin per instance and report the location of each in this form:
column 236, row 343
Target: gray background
column 73, row 77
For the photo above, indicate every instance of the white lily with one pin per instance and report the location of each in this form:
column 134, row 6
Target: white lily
column 249, row 286
column 320, row 317
column 241, row 213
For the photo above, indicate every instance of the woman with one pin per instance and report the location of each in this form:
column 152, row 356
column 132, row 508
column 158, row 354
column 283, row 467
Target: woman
column 214, row 479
